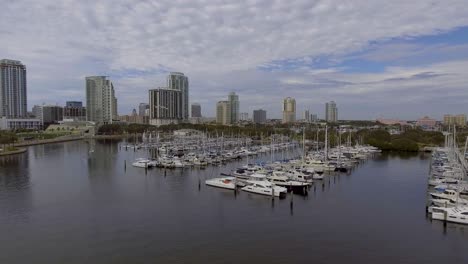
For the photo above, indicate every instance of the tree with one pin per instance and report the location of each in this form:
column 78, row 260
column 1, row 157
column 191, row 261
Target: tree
column 7, row 137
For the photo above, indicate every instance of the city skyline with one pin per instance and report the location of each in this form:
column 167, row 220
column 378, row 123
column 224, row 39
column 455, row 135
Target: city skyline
column 392, row 67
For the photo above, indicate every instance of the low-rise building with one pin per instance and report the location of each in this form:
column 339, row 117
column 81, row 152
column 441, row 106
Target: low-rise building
column 426, row 122
column 20, row 123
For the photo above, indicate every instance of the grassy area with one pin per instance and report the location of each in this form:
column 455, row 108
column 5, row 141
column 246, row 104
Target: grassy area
column 41, row 135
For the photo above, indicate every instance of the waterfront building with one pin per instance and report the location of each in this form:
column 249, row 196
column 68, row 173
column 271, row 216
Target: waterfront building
column 223, row 113
column 259, row 116
column 101, row 102
column 13, row 89
column 331, row 112
column 233, row 99
column 458, row 120
column 142, row 109
column 20, row 123
column 196, row 110
column 165, row 106
column 426, row 122
column 178, row 81
column 48, row 114
column 170, row 104
column 227, row 112
column 313, row 118
column 306, row 116
column 134, row 119
column 244, row 116
column 74, row 110
column 289, row 110
column 390, row 121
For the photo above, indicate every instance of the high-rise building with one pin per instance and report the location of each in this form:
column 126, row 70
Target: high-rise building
column 233, row 99
column 74, row 110
column 458, row 120
column 196, row 110
column 101, row 102
column 165, row 106
column 244, row 116
column 223, row 113
column 289, row 110
column 178, row 81
column 313, row 118
column 13, row 87
column 259, row 116
column 331, row 112
column 232, row 106
column 142, row 109
column 306, row 116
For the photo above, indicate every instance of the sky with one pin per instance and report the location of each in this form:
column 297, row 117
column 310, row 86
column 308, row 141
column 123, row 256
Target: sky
column 376, row 59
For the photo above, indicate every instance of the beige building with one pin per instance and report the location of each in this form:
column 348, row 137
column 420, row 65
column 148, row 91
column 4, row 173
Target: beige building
column 223, row 113
column 459, row 120
column 289, row 110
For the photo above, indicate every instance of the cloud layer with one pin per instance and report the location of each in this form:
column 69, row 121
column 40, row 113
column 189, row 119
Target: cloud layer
column 264, row 50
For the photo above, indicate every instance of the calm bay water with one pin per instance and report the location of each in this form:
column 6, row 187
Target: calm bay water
column 59, row 204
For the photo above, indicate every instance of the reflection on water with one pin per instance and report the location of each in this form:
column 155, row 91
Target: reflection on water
column 15, row 189
column 62, row 203
column 14, row 172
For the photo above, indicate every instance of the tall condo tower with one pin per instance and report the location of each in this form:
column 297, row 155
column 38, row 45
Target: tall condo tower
column 13, row 86
column 178, row 81
column 233, row 99
column 101, row 102
column 331, row 112
column 289, row 110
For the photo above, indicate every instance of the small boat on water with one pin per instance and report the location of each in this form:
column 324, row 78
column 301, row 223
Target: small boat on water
column 265, row 188
column 223, row 182
column 143, row 163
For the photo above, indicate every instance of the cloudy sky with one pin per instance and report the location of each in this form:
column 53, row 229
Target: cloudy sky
column 395, row 59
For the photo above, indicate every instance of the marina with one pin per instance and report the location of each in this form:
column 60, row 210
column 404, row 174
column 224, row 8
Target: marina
column 87, row 207
column 448, row 185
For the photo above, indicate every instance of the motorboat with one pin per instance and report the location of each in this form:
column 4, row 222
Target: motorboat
column 143, row 163
column 300, row 176
column 435, row 182
column 284, row 181
column 264, row 188
column 455, row 214
column 223, row 182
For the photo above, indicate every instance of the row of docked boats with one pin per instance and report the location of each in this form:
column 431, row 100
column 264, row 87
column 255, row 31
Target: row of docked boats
column 203, row 159
column 448, row 189
column 277, row 178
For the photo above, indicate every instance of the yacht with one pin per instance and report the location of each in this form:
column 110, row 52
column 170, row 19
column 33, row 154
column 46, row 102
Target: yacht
column 223, row 182
column 264, row 188
column 456, row 214
column 284, row 181
column 143, row 163
column 300, row 176
column 435, row 182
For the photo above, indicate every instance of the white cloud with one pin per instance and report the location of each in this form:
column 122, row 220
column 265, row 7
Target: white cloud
column 61, row 42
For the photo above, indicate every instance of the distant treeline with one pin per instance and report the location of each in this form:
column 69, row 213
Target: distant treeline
column 211, row 129
column 410, row 140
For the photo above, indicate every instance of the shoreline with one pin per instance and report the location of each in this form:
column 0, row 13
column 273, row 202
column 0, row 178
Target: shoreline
column 59, row 140
column 46, row 141
column 13, row 152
